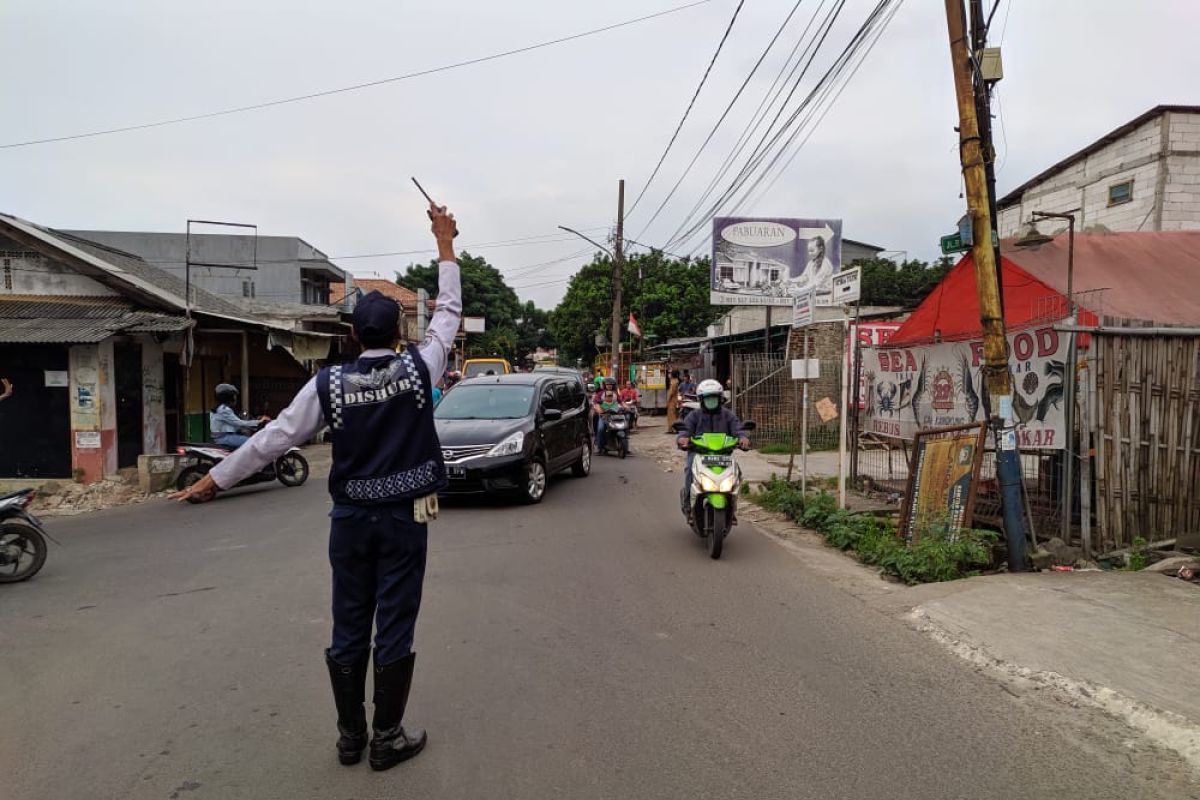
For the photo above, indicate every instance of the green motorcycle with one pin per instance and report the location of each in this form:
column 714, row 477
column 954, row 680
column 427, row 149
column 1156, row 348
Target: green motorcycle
column 716, row 480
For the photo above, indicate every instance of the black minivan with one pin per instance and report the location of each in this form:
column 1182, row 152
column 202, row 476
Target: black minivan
column 509, row 433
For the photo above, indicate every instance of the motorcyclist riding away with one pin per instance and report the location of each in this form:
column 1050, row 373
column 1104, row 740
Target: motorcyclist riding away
column 227, row 426
column 605, row 401
column 711, row 417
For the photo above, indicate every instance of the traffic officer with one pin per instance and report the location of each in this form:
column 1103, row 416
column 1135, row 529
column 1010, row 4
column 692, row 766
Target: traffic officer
column 387, row 468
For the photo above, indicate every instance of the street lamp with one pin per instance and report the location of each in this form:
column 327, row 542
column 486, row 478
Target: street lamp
column 586, row 239
column 1033, row 238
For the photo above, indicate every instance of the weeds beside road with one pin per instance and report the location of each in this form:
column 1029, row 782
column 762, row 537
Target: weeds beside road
column 938, row 555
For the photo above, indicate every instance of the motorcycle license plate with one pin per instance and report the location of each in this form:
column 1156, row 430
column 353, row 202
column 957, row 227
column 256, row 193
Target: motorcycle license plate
column 457, row 472
column 717, row 461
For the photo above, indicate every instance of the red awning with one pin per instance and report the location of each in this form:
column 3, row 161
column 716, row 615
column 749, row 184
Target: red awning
column 951, row 311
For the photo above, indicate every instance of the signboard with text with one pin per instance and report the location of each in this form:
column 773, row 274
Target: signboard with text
column 772, row 261
column 936, row 385
column 861, row 336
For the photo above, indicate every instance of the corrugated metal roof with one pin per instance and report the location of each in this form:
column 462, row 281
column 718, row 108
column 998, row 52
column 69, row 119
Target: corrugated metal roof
column 78, row 320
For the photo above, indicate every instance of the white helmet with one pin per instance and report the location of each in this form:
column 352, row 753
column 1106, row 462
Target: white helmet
column 710, row 394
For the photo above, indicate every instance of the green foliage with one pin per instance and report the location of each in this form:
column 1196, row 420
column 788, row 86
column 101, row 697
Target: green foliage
column 669, row 300
column 1139, row 555
column 886, row 283
column 939, row 554
column 514, row 329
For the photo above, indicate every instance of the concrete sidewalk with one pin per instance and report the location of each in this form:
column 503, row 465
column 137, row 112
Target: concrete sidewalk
column 1127, row 643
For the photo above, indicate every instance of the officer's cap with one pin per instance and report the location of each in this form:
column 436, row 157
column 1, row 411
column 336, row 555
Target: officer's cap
column 376, row 314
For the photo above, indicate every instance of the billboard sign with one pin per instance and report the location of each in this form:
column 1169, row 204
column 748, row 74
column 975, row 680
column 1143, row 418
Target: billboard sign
column 772, row 261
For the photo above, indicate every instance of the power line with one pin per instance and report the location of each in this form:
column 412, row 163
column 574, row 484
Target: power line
column 721, row 119
column 760, row 114
column 845, row 82
column 688, row 110
column 544, row 238
column 353, row 88
column 789, row 128
column 763, row 145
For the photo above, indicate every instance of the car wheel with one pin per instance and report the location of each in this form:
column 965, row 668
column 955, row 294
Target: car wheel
column 535, row 482
column 583, row 467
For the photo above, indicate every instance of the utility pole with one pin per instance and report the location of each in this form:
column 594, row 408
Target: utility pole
column 983, row 112
column 991, row 314
column 618, row 263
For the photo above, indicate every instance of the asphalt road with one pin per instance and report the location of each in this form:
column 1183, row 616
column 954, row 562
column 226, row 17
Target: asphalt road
column 584, row 648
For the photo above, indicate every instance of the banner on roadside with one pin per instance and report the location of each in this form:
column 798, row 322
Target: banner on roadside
column 936, row 385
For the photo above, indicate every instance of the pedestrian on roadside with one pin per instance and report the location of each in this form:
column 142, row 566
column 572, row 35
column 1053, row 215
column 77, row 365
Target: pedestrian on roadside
column 672, row 400
column 387, row 468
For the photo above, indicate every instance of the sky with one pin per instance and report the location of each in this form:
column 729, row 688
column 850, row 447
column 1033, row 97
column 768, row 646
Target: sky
column 520, row 145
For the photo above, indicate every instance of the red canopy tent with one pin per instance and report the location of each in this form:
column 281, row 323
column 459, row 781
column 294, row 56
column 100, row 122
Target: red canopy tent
column 951, row 311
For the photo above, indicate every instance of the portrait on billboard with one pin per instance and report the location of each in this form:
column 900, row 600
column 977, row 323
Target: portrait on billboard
column 773, row 261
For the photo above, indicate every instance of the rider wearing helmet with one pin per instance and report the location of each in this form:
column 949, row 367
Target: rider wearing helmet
column 226, row 424
column 604, row 400
column 713, row 416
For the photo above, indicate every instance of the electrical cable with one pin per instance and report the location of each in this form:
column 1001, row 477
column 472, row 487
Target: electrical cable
column 688, row 110
column 352, row 88
column 764, row 146
column 724, row 114
column 819, row 91
column 760, row 114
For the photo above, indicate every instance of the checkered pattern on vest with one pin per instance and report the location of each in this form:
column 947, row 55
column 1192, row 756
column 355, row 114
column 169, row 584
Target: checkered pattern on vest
column 380, row 413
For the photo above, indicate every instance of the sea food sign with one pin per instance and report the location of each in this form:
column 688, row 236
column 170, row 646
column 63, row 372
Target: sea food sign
column 936, row 385
column 773, row 261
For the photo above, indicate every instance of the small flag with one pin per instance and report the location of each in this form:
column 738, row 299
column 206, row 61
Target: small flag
column 634, row 330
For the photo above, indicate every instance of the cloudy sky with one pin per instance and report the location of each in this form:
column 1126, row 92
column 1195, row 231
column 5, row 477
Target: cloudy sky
column 522, row 144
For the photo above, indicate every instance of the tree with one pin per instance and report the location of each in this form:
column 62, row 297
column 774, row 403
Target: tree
column 513, row 328
column 886, row 283
column 671, row 299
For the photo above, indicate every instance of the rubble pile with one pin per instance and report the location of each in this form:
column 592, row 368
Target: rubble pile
column 66, row 498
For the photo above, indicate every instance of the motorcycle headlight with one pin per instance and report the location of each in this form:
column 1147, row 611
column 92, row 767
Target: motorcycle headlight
column 724, row 483
column 510, row 446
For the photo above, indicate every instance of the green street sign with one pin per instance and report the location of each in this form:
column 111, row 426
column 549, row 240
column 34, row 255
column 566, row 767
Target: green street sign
column 954, row 243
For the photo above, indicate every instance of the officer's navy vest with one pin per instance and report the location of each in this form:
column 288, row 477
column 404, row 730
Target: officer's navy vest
column 380, row 412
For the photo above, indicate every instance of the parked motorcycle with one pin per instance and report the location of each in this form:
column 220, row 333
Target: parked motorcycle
column 22, row 538
column 716, row 481
column 616, row 432
column 290, row 469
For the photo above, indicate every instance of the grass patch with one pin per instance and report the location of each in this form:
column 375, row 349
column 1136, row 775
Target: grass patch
column 939, row 555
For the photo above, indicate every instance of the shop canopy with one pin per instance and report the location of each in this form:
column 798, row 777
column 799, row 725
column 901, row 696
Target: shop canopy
column 951, row 311
column 1143, row 276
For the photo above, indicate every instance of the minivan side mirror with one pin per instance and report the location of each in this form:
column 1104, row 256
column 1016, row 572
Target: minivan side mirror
column 551, row 414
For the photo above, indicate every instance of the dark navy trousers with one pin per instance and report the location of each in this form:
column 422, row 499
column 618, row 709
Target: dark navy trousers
column 378, row 559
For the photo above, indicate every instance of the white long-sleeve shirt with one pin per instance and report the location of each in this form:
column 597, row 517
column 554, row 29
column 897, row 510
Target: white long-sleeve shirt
column 301, row 420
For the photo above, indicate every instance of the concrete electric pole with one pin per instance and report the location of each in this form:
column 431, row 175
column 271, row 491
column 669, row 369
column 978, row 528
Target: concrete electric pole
column 991, row 314
column 618, row 264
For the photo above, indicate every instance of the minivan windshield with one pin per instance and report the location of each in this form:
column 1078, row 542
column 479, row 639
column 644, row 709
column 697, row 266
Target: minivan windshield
column 474, row 370
column 485, row 401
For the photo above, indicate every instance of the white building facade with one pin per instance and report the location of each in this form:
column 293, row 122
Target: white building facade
column 1143, row 176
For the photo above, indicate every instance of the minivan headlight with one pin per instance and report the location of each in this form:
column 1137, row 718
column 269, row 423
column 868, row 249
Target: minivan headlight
column 510, row 446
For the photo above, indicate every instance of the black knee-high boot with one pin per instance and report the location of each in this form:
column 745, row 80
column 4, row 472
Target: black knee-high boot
column 349, row 691
column 391, row 743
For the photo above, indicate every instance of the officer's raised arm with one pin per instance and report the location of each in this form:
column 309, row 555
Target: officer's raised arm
column 439, row 337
